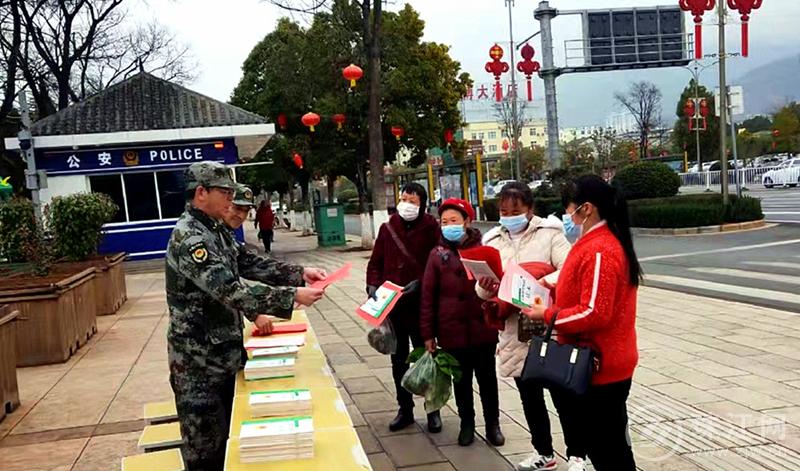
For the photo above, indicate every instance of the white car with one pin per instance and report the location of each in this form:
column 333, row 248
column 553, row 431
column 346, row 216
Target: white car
column 536, row 184
column 499, row 186
column 788, row 174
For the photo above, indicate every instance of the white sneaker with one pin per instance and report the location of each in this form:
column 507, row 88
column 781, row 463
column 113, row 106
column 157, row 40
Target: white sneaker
column 576, row 464
column 535, row 462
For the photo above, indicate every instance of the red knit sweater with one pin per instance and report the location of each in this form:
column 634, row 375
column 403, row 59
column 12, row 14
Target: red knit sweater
column 596, row 304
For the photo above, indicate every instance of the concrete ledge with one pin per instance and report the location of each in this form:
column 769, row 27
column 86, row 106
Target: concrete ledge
column 734, row 227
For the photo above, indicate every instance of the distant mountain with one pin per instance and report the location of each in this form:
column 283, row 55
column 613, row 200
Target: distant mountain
column 771, row 85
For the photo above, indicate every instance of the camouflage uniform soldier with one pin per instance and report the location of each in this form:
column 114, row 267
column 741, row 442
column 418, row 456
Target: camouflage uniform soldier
column 205, row 296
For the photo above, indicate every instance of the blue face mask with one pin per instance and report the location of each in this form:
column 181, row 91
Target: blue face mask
column 453, row 233
column 572, row 230
column 514, row 224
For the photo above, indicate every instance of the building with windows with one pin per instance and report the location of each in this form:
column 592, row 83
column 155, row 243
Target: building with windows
column 132, row 141
column 492, row 134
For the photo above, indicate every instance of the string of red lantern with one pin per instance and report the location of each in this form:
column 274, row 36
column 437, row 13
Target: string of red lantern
column 690, row 111
column 745, row 7
column 697, row 8
column 282, row 121
column 448, row 136
column 339, row 119
column 297, row 160
column 528, row 66
column 352, row 73
column 310, row 119
column 496, row 67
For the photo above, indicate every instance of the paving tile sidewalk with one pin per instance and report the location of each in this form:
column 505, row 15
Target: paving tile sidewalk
column 718, row 386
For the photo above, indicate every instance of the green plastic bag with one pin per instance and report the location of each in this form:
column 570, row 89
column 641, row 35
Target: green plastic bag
column 431, row 376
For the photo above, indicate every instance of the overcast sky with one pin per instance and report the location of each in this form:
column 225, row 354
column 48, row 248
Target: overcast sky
column 222, row 35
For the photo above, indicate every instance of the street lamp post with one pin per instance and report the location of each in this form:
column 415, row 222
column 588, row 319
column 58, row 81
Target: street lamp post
column 513, row 96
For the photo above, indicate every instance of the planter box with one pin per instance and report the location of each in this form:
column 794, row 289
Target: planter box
column 109, row 282
column 57, row 312
column 9, row 392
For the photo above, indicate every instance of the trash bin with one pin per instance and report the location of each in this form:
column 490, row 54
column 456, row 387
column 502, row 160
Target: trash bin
column 329, row 219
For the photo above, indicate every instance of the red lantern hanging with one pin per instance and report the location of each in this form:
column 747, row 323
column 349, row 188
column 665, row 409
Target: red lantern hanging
column 352, row 73
column 690, row 111
column 505, row 146
column 282, row 121
column 745, row 7
column 310, row 119
column 397, row 132
column 297, row 160
column 339, row 119
column 448, row 136
column 496, row 67
column 775, row 135
column 528, row 66
column 697, row 8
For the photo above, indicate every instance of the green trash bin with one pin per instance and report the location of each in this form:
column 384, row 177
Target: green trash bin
column 329, row 219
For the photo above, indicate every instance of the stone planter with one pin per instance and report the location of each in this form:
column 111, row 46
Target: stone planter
column 57, row 312
column 110, row 290
column 9, row 392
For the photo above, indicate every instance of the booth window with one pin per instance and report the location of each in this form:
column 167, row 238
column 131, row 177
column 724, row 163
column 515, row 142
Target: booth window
column 148, row 196
column 171, row 190
column 140, row 190
column 111, row 185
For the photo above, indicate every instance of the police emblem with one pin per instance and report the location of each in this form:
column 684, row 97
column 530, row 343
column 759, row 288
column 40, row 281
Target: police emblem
column 131, row 158
column 199, row 253
column 248, row 195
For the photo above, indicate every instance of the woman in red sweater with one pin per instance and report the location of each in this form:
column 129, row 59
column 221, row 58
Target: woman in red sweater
column 595, row 305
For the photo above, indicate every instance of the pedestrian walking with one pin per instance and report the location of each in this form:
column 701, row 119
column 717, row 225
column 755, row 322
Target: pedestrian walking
column 265, row 223
column 451, row 318
column 205, row 297
column 521, row 238
column 595, row 306
column 400, row 254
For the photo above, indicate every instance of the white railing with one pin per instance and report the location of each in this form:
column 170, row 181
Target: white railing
column 746, row 176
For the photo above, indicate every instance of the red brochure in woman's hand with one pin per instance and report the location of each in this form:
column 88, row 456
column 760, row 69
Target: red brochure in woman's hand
column 485, row 254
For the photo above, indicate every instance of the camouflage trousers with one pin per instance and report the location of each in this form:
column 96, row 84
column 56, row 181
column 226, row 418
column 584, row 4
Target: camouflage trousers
column 204, row 409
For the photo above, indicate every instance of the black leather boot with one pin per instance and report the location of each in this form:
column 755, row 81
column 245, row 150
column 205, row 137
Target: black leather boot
column 494, row 435
column 434, row 422
column 467, row 434
column 404, row 419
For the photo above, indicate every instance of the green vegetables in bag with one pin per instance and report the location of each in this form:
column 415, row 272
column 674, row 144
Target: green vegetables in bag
column 431, row 376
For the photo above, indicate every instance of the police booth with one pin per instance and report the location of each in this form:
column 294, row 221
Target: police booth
column 132, row 142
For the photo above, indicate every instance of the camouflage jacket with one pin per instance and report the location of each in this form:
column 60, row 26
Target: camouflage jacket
column 205, row 294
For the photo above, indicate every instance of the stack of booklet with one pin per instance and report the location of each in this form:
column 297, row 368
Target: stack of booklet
column 272, row 352
column 269, row 368
column 290, row 438
column 291, row 402
column 286, row 340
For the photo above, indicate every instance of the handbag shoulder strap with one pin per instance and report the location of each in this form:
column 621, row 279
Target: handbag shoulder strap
column 552, row 325
column 400, row 245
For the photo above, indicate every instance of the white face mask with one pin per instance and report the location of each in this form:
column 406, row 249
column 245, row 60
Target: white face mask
column 407, row 211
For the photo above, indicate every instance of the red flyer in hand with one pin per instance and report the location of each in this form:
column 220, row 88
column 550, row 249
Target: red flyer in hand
column 485, row 254
column 338, row 275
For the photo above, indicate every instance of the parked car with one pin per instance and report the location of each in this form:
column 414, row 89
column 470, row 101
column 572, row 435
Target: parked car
column 536, row 184
column 499, row 186
column 788, row 174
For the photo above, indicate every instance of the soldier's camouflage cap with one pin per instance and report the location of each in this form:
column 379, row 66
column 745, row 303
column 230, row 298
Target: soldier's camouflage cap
column 208, row 174
column 243, row 196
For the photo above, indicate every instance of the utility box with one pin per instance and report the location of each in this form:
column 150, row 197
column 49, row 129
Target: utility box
column 329, row 219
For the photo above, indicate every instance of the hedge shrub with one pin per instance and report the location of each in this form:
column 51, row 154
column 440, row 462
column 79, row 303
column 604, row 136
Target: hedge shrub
column 17, row 224
column 693, row 211
column 647, row 180
column 76, row 222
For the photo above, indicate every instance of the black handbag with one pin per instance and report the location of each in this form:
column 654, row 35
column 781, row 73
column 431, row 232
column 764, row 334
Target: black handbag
column 564, row 366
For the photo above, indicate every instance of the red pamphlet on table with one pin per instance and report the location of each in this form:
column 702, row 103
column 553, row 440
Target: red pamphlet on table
column 338, row 275
column 292, row 328
column 374, row 311
column 483, row 261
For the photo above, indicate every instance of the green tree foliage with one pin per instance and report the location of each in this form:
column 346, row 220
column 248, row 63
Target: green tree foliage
column 683, row 139
column 17, row 222
column 757, row 124
column 294, row 70
column 787, row 122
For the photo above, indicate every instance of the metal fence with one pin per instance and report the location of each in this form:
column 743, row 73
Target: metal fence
column 746, row 176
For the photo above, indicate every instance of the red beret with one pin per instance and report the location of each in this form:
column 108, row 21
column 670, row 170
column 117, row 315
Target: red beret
column 459, row 205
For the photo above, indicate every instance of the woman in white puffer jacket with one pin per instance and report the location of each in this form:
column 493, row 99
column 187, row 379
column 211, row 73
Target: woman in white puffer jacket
column 523, row 237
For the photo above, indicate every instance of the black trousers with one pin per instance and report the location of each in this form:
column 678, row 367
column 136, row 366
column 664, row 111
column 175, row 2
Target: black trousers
column 266, row 236
column 573, row 424
column 599, row 420
column 405, row 331
column 480, row 360
column 532, row 396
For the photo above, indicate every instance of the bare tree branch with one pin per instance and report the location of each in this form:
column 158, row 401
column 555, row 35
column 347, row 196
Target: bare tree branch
column 643, row 102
